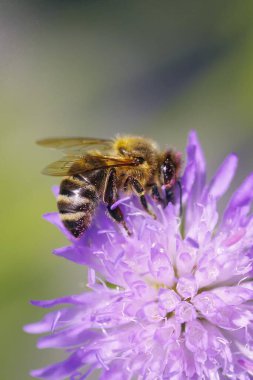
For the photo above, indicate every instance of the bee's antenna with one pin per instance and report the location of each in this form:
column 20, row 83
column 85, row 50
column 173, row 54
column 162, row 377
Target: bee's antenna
column 180, row 197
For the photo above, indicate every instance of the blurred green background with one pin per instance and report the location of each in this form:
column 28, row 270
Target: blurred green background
column 98, row 68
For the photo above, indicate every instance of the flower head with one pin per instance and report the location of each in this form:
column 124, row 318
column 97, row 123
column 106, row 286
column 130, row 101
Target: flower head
column 173, row 301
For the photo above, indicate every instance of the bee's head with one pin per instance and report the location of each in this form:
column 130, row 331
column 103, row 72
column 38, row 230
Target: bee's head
column 170, row 165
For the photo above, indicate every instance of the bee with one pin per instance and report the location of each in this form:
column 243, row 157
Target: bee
column 98, row 170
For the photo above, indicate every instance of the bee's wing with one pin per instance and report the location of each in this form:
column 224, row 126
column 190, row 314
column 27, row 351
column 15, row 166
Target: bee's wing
column 76, row 145
column 73, row 165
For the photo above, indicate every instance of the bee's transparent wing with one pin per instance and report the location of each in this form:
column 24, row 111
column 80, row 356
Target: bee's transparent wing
column 73, row 165
column 77, row 145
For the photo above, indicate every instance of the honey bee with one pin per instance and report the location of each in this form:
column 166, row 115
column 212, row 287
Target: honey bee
column 97, row 170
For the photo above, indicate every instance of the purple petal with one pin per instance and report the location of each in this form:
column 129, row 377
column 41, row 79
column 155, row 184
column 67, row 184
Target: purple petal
column 185, row 312
column 195, row 336
column 167, row 301
column 188, row 178
column 54, row 218
column 223, row 177
column 115, row 372
column 48, row 322
column 81, row 256
column 207, row 303
column 66, row 368
column 55, row 190
column 79, row 299
column 234, row 295
column 70, row 337
column 160, row 266
column 195, row 152
column 214, row 309
column 241, row 199
column 244, row 195
column 193, row 182
column 187, row 286
column 193, row 179
column 246, row 364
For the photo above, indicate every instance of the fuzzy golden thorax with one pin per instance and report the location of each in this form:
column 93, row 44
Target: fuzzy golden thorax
column 141, row 149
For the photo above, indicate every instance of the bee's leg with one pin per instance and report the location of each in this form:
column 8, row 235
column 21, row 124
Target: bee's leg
column 110, row 197
column 170, row 196
column 155, row 194
column 139, row 191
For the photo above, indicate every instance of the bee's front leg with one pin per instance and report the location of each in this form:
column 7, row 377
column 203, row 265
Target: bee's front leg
column 170, row 196
column 110, row 196
column 155, row 194
column 139, row 191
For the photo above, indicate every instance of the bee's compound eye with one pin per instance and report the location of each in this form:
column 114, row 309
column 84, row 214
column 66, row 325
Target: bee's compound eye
column 140, row 160
column 122, row 151
column 168, row 171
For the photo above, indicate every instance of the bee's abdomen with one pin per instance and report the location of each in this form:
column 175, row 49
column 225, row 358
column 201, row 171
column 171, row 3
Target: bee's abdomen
column 77, row 202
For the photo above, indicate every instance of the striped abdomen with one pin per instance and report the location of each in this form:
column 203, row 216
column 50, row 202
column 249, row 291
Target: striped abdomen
column 77, row 202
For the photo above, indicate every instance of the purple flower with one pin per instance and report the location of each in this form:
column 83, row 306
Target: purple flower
column 174, row 301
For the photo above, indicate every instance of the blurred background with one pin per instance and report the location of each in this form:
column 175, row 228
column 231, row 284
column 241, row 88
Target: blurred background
column 98, row 68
